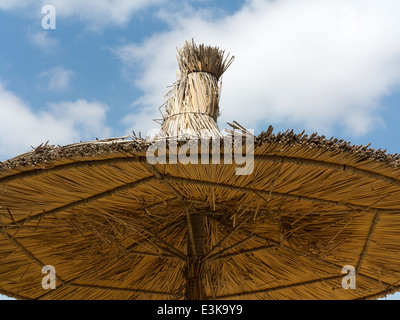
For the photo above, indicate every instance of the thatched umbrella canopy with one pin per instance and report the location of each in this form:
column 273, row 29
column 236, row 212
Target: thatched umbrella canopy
column 114, row 225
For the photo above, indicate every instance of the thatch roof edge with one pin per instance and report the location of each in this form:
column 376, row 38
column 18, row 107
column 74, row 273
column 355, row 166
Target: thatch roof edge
column 332, row 144
column 46, row 153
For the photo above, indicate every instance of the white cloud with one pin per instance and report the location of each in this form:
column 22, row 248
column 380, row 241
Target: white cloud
column 55, row 79
column 43, row 40
column 87, row 119
column 95, row 13
column 14, row 4
column 320, row 64
column 99, row 13
column 62, row 123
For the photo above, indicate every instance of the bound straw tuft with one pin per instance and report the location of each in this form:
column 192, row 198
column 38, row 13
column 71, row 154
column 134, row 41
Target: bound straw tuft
column 192, row 106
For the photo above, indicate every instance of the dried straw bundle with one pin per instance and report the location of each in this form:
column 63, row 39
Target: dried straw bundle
column 192, row 106
column 203, row 58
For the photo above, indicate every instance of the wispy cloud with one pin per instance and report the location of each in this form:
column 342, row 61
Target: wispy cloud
column 14, row 4
column 322, row 65
column 55, row 79
column 61, row 123
column 43, row 40
column 101, row 13
column 96, row 14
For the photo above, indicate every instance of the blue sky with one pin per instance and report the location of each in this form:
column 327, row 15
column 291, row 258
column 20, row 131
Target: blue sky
column 330, row 66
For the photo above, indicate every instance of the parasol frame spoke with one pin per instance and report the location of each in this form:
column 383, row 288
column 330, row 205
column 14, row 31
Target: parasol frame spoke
column 363, row 254
column 288, row 196
column 299, row 161
column 279, row 246
column 84, row 201
column 284, row 287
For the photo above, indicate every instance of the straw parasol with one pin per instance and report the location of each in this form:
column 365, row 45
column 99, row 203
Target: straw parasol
column 115, row 224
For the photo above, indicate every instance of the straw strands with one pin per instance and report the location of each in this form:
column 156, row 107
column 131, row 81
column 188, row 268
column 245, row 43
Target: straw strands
column 115, row 227
column 192, row 106
column 193, row 58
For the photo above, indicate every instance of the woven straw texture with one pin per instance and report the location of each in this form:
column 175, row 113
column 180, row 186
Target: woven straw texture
column 116, row 227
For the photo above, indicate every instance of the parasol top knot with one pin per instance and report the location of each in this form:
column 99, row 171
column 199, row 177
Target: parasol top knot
column 192, row 106
column 209, row 59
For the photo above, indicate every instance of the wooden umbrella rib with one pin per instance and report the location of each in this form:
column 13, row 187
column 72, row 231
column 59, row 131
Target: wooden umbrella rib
column 290, row 286
column 25, row 251
column 248, row 233
column 190, row 231
column 227, row 237
column 242, row 252
column 375, row 222
column 78, row 285
column 211, row 285
column 178, row 195
column 155, row 255
column 13, row 295
column 61, row 286
column 70, row 282
column 114, row 241
column 237, row 244
column 14, row 242
column 170, row 251
column 327, row 165
column 69, row 166
column 161, row 178
column 290, row 250
column 288, row 196
column 260, row 158
column 171, row 248
column 160, row 203
column 165, row 228
column 333, row 265
column 85, row 201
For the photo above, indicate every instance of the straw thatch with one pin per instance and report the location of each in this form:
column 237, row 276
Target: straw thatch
column 192, row 106
column 116, row 226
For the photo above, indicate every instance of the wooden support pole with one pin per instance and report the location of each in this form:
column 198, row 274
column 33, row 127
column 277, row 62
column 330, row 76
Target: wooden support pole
column 195, row 268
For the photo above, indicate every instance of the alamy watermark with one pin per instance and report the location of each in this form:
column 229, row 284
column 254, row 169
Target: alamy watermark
column 236, row 149
column 349, row 280
column 49, row 280
column 49, row 20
